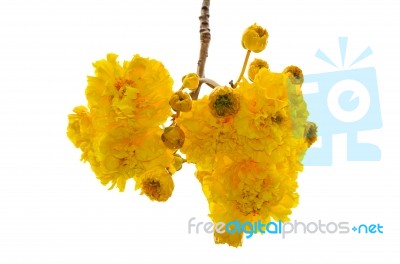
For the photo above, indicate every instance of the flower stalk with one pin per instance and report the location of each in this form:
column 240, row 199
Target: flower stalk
column 246, row 60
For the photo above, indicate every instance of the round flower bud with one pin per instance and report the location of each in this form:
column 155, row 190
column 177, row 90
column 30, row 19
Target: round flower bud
column 224, row 101
column 157, row 184
column 191, row 81
column 173, row 137
column 255, row 66
column 295, row 74
column 296, row 77
column 310, row 133
column 255, row 38
column 181, row 101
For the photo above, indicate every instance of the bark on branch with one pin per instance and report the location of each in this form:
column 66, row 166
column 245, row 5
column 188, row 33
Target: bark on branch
column 205, row 37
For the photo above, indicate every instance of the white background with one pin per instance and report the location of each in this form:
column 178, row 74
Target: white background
column 52, row 208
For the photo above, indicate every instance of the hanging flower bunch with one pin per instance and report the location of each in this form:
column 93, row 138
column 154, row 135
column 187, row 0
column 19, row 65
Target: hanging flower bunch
column 247, row 139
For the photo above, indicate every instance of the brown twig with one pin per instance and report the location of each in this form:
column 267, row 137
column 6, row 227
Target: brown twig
column 205, row 37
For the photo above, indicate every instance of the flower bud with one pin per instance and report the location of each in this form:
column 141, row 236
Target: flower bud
column 181, row 101
column 191, row 81
column 296, row 77
column 255, row 38
column 157, row 184
column 295, row 74
column 310, row 133
column 255, row 66
column 224, row 101
column 173, row 137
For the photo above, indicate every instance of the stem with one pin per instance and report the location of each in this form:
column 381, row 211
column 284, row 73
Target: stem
column 246, row 60
column 205, row 37
column 209, row 82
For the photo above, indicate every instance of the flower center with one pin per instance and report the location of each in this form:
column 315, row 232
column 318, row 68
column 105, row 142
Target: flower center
column 223, row 104
column 262, row 121
column 261, row 32
column 152, row 188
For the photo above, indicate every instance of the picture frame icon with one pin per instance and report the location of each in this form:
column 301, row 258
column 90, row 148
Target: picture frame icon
column 343, row 101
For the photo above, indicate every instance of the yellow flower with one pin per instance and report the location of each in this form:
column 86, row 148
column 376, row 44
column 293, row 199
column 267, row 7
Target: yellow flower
column 273, row 115
column 247, row 191
column 173, row 137
column 119, row 134
column 255, row 38
column 205, row 135
column 137, row 91
column 260, row 115
column 157, row 184
column 121, row 154
column 181, row 102
column 191, row 81
column 255, row 67
column 252, row 189
column 224, row 101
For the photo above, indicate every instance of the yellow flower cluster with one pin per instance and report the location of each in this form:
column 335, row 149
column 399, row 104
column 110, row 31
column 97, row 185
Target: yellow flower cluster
column 248, row 142
column 248, row 160
column 119, row 132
